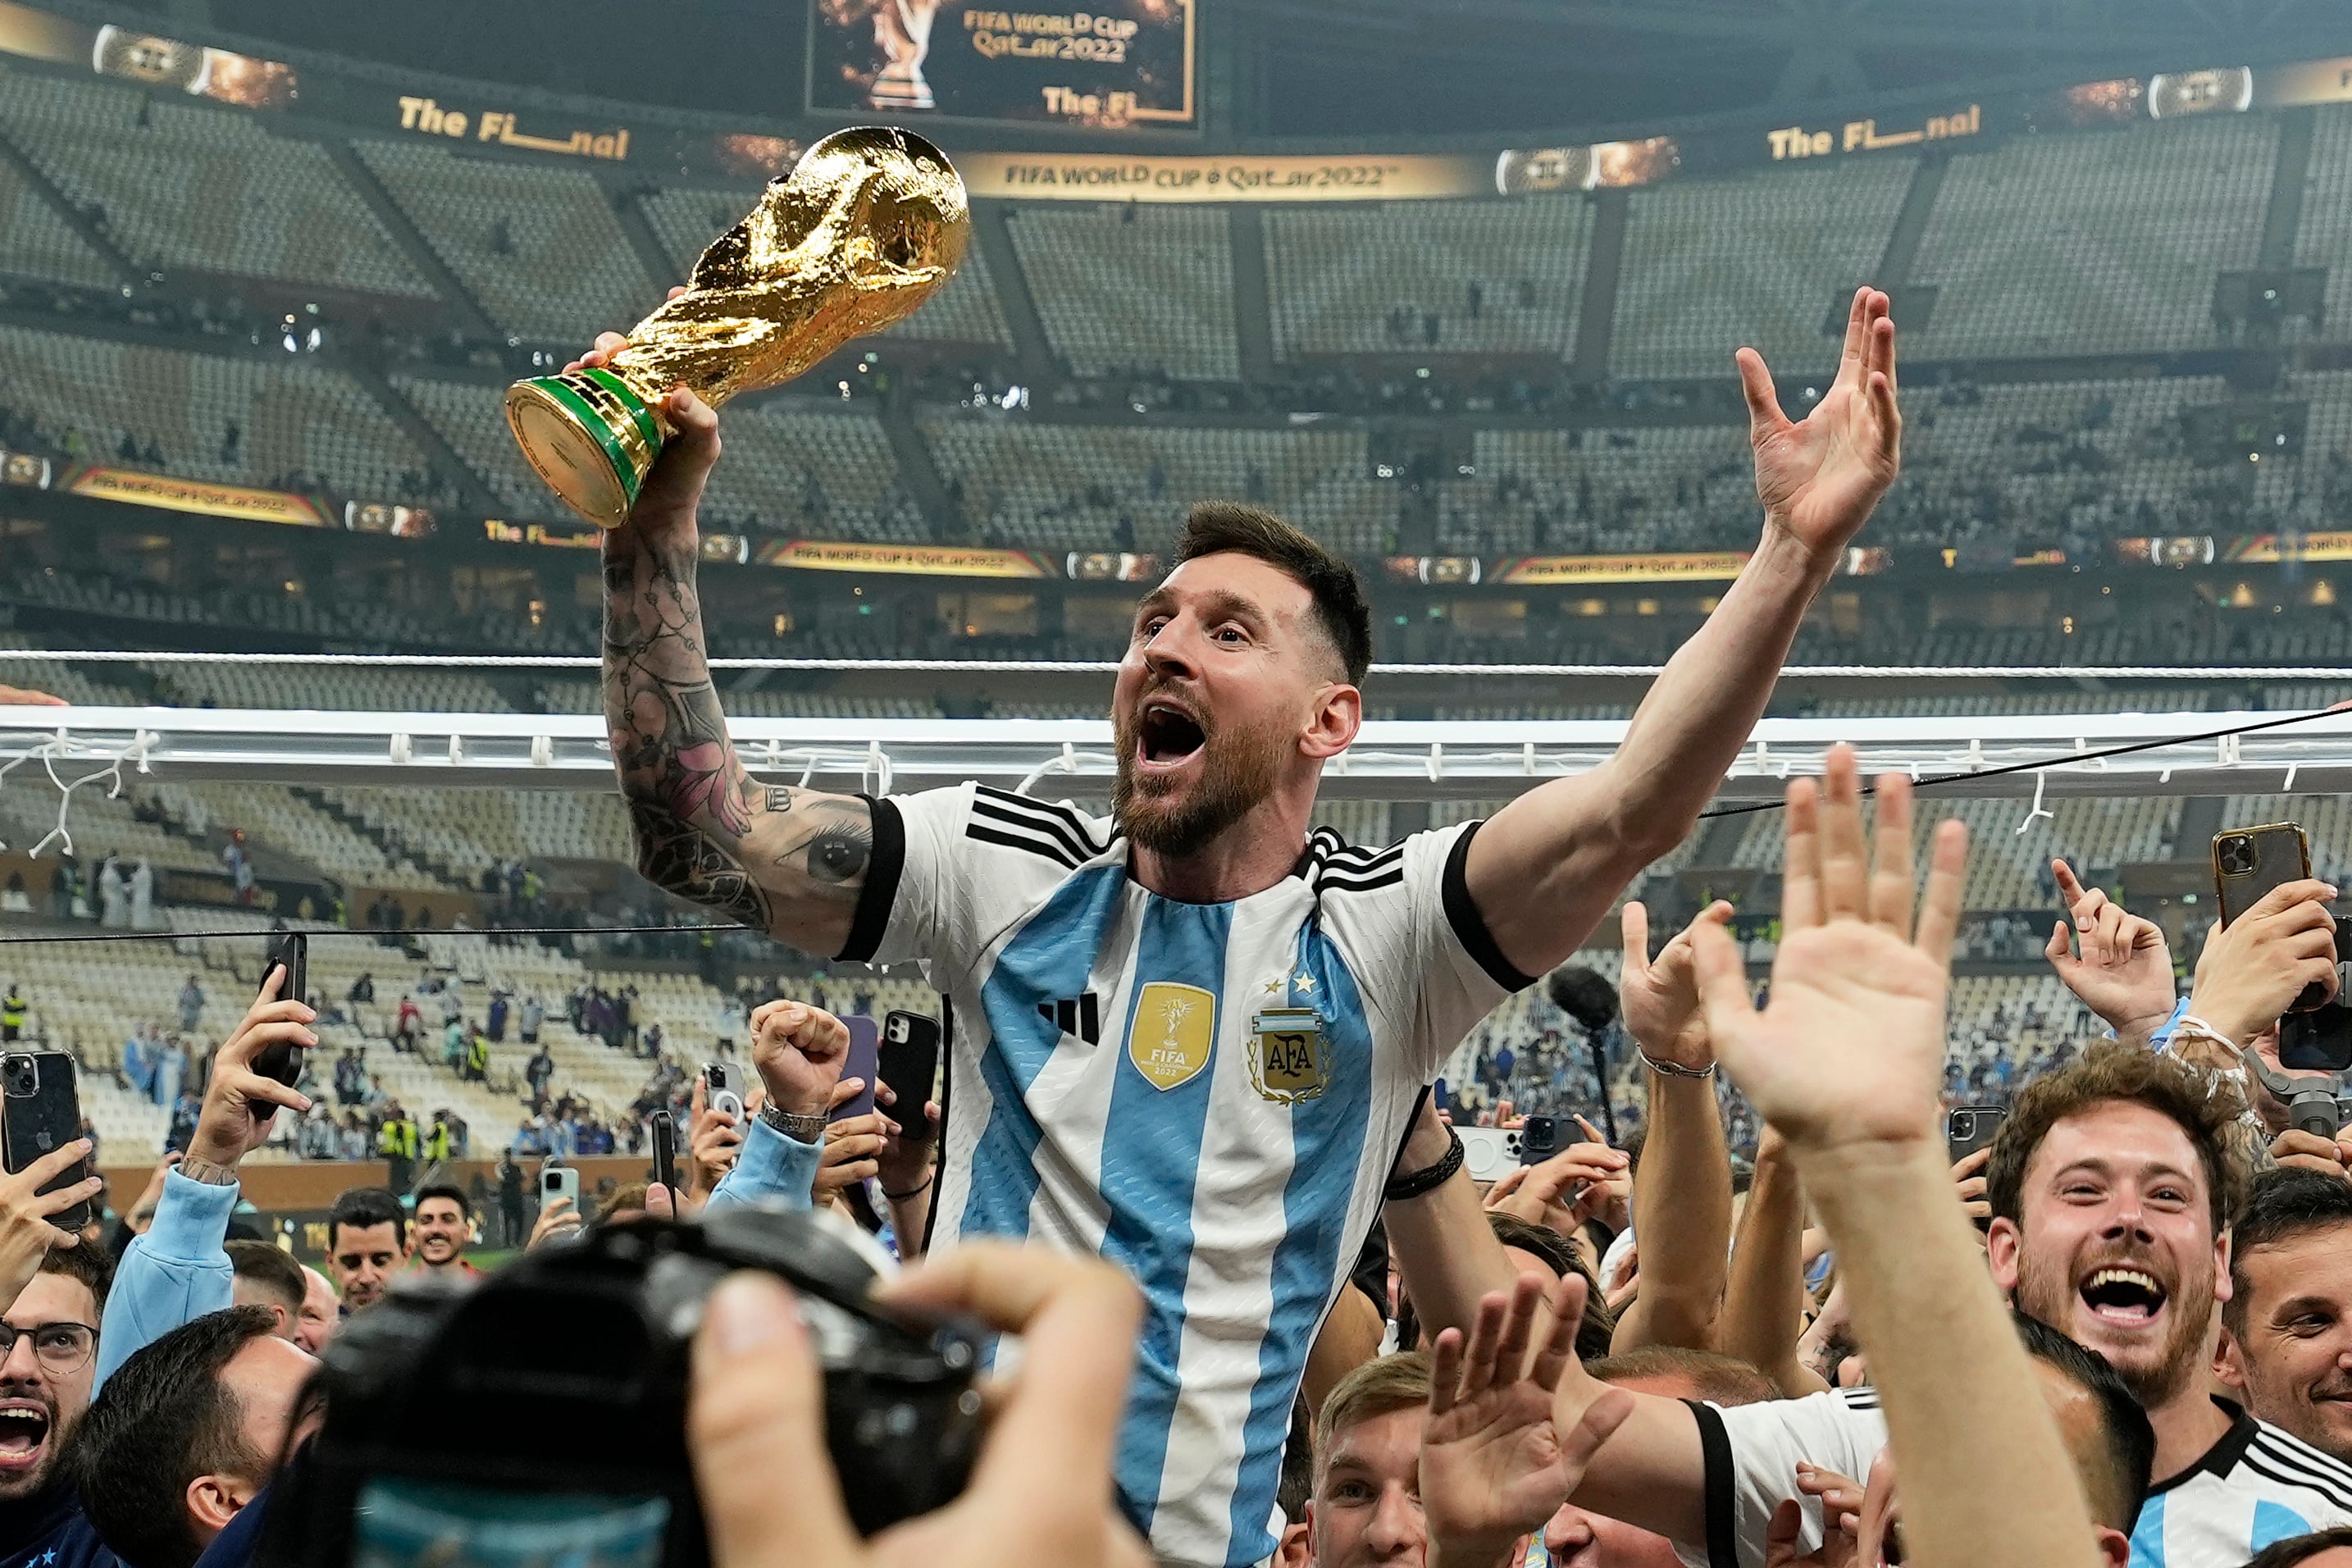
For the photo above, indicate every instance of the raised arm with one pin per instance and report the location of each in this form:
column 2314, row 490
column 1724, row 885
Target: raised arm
column 1682, row 1190
column 1764, row 1302
column 1550, row 864
column 1846, row 1062
column 2124, row 973
column 791, row 862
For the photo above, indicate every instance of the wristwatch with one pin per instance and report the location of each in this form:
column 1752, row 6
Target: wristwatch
column 809, row 1129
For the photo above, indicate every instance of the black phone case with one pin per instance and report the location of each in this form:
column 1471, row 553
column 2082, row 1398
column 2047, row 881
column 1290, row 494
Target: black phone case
column 35, row 1124
column 282, row 1061
column 911, row 1067
column 665, row 1149
column 1989, row 1118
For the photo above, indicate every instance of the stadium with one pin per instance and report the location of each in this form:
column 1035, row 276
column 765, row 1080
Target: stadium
column 1453, row 290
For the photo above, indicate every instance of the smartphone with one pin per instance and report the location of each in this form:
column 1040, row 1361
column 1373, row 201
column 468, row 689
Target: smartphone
column 43, row 1113
column 1970, row 1128
column 2320, row 1039
column 865, row 1063
column 722, row 1089
column 1538, row 1140
column 665, row 1149
column 282, row 1061
column 1487, row 1151
column 560, row 1182
column 908, row 1061
column 2249, row 862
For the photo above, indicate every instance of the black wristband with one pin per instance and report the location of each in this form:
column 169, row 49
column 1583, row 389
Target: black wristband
column 1429, row 1178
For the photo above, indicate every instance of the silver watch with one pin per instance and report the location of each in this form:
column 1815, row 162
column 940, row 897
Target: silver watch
column 807, row 1129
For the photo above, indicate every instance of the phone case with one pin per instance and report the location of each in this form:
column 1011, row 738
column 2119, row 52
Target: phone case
column 721, row 1081
column 43, row 1113
column 1987, row 1126
column 2282, row 854
column 282, row 1061
column 865, row 1060
column 665, row 1149
column 909, row 1066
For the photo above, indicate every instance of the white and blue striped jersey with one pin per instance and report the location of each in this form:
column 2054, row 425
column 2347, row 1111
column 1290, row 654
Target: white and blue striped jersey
column 2257, row 1485
column 1209, row 1095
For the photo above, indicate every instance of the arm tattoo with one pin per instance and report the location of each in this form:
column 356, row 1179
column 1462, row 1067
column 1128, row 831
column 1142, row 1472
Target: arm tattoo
column 788, row 861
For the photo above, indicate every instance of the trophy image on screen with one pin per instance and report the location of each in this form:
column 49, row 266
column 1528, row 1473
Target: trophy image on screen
column 902, row 32
column 862, row 231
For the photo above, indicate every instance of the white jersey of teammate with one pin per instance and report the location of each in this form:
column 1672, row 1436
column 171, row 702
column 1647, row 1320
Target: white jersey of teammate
column 2257, row 1485
column 1209, row 1095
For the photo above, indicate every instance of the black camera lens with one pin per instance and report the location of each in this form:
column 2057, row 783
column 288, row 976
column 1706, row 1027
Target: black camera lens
column 2235, row 851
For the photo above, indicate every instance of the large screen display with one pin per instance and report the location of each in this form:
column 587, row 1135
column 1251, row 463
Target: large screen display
column 1114, row 65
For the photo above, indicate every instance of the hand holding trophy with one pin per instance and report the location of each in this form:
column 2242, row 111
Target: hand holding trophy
column 867, row 226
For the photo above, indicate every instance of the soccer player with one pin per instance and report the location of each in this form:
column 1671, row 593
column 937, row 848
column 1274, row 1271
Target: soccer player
column 1192, row 1035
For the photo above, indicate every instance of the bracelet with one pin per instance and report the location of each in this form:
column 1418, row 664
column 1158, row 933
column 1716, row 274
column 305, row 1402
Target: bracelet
column 1672, row 1069
column 807, row 1129
column 1428, row 1179
column 915, row 1192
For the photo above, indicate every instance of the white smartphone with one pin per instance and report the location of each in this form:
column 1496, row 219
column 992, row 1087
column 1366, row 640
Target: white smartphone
column 560, row 1182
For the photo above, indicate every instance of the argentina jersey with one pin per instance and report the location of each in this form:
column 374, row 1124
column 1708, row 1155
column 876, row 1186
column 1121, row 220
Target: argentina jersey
column 1208, row 1095
column 2256, row 1486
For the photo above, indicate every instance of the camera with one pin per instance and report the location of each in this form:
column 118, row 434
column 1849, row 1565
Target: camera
column 542, row 1415
column 20, row 1076
column 2320, row 1038
column 2234, row 853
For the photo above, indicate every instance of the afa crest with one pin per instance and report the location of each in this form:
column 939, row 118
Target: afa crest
column 1290, row 1056
column 1174, row 1033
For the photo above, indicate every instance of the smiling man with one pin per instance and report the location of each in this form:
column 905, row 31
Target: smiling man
column 1191, row 1035
column 445, row 1228
column 45, row 1391
column 2286, row 1341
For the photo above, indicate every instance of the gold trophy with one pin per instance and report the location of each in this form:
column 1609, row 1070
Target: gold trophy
column 866, row 226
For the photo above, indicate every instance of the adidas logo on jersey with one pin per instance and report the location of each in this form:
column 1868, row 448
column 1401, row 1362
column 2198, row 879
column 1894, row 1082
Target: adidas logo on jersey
column 1079, row 1016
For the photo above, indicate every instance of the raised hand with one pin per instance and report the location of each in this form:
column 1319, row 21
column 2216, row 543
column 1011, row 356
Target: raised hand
column 2253, row 968
column 1493, row 1466
column 799, row 1051
column 26, row 1231
column 1851, row 1048
column 1561, row 1193
column 674, row 487
column 2123, row 972
column 239, row 1104
column 1660, row 995
column 1820, row 476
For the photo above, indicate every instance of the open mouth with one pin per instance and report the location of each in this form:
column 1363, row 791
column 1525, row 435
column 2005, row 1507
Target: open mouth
column 2127, row 1296
column 1166, row 735
column 23, row 1435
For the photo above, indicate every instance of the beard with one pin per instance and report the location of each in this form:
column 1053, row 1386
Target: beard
column 1239, row 769
column 2155, row 1374
column 25, row 1483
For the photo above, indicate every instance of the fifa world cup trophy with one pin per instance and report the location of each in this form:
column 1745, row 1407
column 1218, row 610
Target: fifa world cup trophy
column 862, row 231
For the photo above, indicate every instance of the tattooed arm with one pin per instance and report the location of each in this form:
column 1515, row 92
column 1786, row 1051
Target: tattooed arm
column 788, row 861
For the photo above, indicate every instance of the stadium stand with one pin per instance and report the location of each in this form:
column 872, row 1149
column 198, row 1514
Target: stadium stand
column 183, row 185
column 1806, row 238
column 1126, row 290
column 35, row 242
column 540, row 246
column 1432, row 277
column 2093, row 243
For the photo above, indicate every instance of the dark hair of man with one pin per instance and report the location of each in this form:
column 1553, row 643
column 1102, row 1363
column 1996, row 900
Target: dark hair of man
column 363, row 1208
column 2295, row 1548
column 1600, row 1325
column 270, row 1267
column 1296, row 1486
column 2116, row 1492
column 1221, row 527
column 92, row 1266
column 1719, row 1379
column 2205, row 1109
column 2286, row 1203
column 450, row 1190
column 164, row 1419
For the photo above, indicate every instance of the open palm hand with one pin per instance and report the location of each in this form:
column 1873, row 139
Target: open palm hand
column 1820, row 476
column 1851, row 1048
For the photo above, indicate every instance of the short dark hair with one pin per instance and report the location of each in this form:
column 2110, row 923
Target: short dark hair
column 93, row 1265
column 1599, row 1324
column 1218, row 527
column 2286, row 1203
column 449, row 1190
column 2117, row 1493
column 2206, row 1109
column 1719, row 1379
column 2295, row 1549
column 1296, row 1486
column 362, row 1209
column 272, row 1267
column 164, row 1419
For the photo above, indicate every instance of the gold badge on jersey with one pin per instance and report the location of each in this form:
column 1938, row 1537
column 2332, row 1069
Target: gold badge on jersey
column 1174, row 1032
column 1290, row 1056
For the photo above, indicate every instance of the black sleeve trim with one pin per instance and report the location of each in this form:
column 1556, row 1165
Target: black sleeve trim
column 1469, row 925
column 1715, row 1449
column 883, row 869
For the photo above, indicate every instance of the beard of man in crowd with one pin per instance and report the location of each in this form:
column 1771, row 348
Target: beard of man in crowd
column 2112, row 1185
column 40, row 1405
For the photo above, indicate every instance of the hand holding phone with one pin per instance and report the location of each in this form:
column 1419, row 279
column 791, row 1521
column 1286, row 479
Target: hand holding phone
column 665, row 1150
column 2278, row 951
column 282, row 1059
column 908, row 1061
column 41, row 1122
column 862, row 1063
